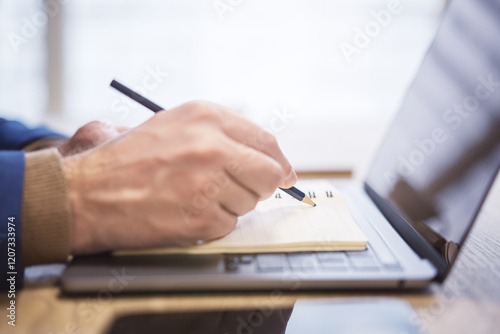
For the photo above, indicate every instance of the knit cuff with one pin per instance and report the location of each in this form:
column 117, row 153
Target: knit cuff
column 46, row 211
column 44, row 143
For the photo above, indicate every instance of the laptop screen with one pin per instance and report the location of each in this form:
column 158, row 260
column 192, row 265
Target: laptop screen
column 442, row 153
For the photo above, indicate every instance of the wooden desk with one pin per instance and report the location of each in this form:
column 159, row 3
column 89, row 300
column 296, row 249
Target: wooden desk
column 468, row 302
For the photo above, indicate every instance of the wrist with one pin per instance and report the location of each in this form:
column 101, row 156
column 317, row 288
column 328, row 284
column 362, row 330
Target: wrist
column 81, row 236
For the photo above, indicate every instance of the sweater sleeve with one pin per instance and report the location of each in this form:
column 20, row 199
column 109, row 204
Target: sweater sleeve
column 44, row 143
column 46, row 210
column 11, row 186
column 35, row 214
column 15, row 135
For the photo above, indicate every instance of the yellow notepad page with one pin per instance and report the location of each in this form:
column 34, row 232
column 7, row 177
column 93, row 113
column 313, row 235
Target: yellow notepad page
column 283, row 224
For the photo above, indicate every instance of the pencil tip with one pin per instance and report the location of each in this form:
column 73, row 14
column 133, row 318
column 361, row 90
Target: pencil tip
column 308, row 201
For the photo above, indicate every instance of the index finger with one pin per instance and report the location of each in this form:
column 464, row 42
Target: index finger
column 252, row 135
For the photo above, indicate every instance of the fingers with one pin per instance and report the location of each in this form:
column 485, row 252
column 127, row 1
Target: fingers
column 237, row 199
column 236, row 128
column 252, row 135
column 209, row 223
column 234, row 200
column 254, row 170
column 224, row 223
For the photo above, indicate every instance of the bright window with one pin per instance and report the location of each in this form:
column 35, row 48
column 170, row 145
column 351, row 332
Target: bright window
column 250, row 55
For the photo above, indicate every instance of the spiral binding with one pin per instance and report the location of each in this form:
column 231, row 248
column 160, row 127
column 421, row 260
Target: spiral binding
column 312, row 194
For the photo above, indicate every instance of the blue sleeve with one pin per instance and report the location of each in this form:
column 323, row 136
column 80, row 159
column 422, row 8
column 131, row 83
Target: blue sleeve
column 15, row 135
column 11, row 187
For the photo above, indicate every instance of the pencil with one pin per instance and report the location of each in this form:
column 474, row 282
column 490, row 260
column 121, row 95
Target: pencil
column 294, row 192
column 299, row 195
column 135, row 96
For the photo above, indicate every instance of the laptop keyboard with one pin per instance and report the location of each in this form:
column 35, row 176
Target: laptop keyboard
column 365, row 260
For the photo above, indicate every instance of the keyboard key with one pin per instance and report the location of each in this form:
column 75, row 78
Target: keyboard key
column 302, row 261
column 270, row 262
column 330, row 256
column 246, row 259
column 363, row 261
column 387, row 260
column 230, row 263
column 334, row 265
column 332, row 260
column 360, row 254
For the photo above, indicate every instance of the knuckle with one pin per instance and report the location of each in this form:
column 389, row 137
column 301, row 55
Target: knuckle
column 267, row 139
column 203, row 111
column 195, row 105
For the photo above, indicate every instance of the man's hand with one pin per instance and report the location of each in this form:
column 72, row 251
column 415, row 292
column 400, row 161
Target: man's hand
column 89, row 136
column 182, row 176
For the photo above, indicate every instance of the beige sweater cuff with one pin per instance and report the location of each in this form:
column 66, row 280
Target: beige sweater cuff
column 44, row 143
column 46, row 211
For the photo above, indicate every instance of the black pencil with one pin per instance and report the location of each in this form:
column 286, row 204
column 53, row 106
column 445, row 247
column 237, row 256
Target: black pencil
column 294, row 192
column 135, row 96
column 299, row 195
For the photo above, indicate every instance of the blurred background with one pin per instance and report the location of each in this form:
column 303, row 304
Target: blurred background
column 326, row 77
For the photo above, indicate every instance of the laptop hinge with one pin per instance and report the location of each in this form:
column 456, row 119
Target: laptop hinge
column 409, row 234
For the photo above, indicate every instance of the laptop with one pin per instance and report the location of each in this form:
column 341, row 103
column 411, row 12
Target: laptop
column 416, row 206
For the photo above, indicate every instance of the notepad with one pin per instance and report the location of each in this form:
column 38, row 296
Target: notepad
column 283, row 224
